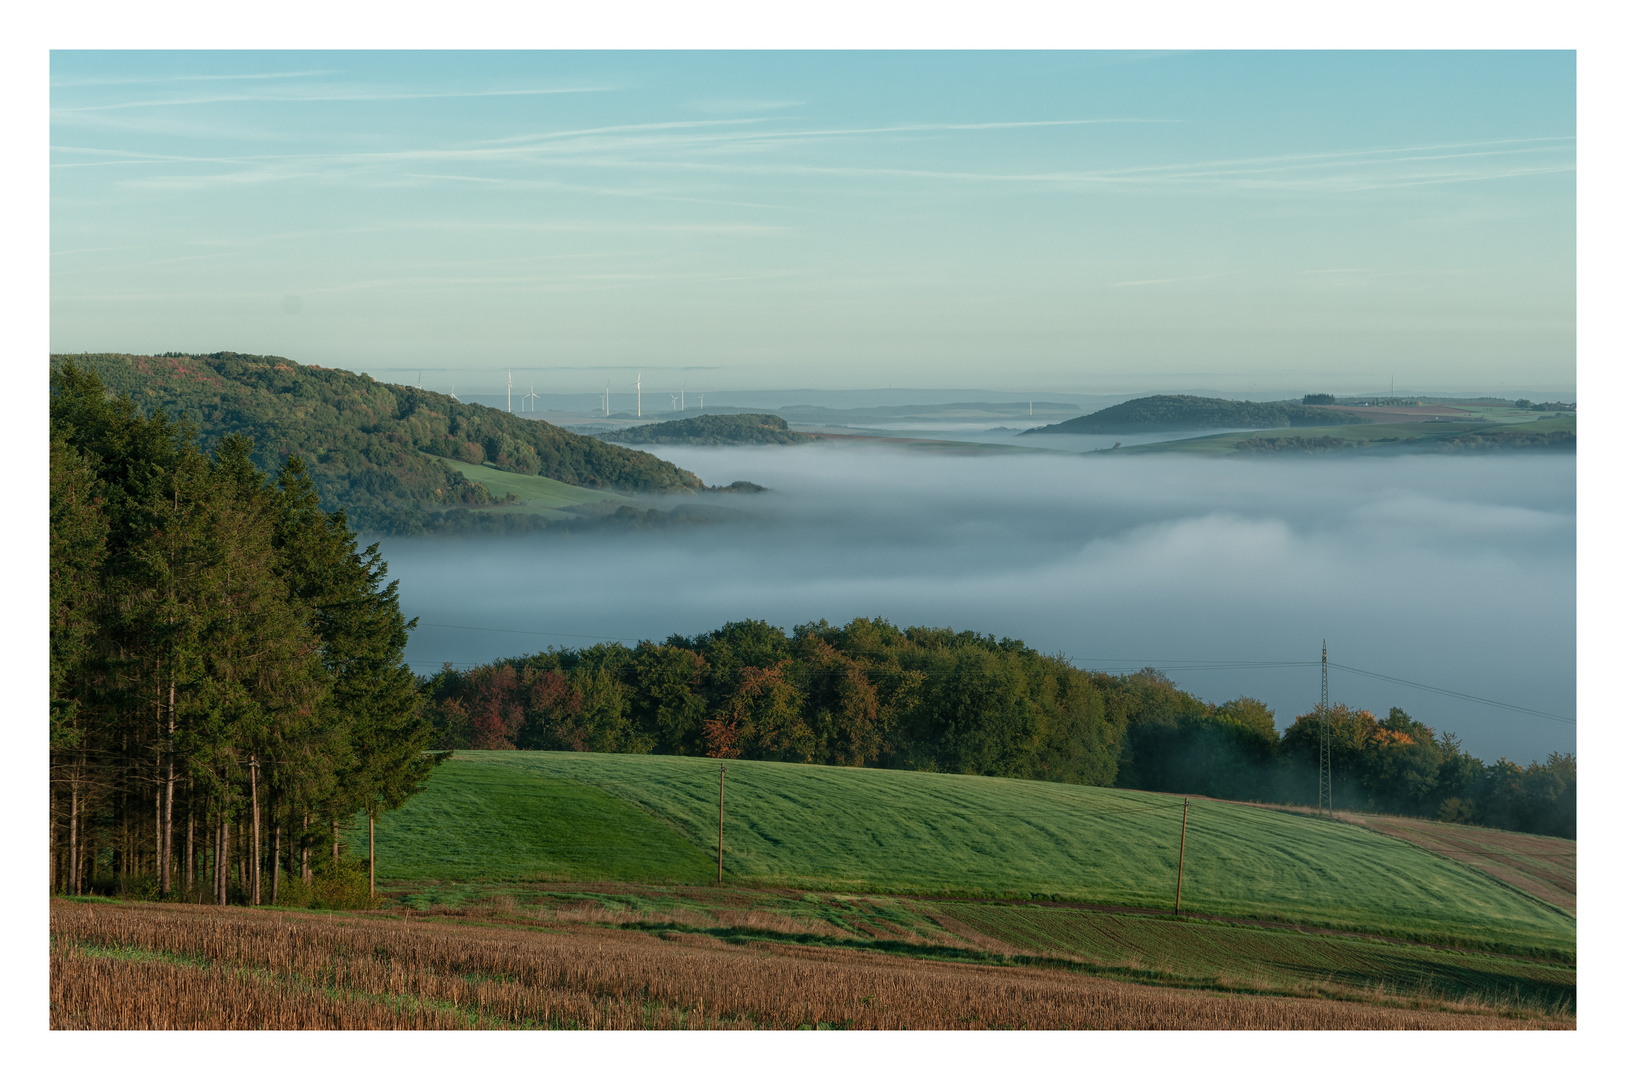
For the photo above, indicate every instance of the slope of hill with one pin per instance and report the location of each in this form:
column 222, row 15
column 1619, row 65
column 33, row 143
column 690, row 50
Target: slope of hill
column 1182, row 412
column 367, row 444
column 512, row 815
column 1553, row 434
column 728, row 430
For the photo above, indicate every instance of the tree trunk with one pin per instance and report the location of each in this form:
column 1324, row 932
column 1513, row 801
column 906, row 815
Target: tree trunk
column 254, row 796
column 167, row 832
column 372, row 860
column 305, row 848
column 335, row 843
column 190, row 878
column 73, row 834
column 276, row 859
column 223, row 874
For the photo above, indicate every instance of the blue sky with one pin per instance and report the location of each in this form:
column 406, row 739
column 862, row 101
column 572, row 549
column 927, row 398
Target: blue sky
column 1109, row 222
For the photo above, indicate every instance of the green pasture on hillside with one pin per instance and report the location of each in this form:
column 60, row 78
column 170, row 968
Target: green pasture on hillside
column 1381, row 438
column 530, row 815
column 534, row 492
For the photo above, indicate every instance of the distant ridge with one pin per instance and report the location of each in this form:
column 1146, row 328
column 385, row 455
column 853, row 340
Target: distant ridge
column 737, row 429
column 1183, row 412
column 367, row 445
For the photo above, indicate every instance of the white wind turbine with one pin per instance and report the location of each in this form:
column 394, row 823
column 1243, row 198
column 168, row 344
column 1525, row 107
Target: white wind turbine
column 531, row 395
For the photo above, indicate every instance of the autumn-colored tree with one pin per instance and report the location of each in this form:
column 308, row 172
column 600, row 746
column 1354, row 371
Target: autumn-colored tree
column 764, row 717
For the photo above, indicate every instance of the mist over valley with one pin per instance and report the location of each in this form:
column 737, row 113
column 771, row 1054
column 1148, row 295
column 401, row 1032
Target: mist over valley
column 1456, row 572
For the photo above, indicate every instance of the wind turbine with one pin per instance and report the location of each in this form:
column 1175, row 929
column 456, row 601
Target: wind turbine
column 702, row 402
column 606, row 399
column 640, row 395
column 453, row 395
column 530, row 396
column 510, row 389
column 680, row 394
column 674, row 398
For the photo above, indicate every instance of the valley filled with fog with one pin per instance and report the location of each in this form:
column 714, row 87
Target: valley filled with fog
column 1454, row 571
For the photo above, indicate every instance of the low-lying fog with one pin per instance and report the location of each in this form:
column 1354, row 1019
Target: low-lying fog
column 1458, row 572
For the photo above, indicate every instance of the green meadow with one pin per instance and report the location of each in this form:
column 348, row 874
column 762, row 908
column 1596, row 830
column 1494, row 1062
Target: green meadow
column 520, row 816
column 536, row 494
column 1379, row 438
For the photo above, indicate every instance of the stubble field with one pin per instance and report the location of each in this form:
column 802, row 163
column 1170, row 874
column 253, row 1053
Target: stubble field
column 116, row 966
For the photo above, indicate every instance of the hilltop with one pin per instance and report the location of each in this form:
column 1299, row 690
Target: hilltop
column 737, row 429
column 1183, row 412
column 374, row 448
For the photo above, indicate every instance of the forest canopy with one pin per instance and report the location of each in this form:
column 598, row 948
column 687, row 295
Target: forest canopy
column 367, row 446
column 727, row 429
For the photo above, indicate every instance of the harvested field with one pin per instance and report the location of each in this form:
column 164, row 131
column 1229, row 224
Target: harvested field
column 171, row 966
column 1283, row 961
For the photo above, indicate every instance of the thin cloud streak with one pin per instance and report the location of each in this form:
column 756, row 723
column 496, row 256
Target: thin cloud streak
column 354, row 95
column 154, row 79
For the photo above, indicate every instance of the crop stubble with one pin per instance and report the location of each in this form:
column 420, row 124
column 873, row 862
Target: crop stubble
column 174, row 967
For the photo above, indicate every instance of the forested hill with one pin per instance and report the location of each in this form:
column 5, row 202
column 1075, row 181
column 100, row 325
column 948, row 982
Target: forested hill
column 1183, row 412
column 921, row 698
column 727, row 430
column 365, row 443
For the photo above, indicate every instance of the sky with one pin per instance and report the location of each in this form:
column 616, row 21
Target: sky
column 1062, row 222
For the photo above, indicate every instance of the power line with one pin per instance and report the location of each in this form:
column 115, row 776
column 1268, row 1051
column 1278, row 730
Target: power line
column 1245, row 665
column 1456, row 694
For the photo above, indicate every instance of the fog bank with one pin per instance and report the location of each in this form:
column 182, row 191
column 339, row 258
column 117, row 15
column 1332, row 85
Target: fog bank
column 1457, row 572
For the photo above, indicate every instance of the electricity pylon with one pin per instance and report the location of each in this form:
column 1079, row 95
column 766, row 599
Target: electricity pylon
column 1325, row 794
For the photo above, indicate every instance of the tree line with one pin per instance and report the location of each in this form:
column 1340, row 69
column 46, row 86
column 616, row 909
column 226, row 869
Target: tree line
column 872, row 694
column 226, row 674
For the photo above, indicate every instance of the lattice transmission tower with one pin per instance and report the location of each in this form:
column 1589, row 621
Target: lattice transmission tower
column 1325, row 797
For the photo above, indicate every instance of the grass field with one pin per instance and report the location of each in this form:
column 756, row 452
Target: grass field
column 1283, row 961
column 1380, row 438
column 1543, row 866
column 533, row 816
column 1153, row 950
column 536, row 494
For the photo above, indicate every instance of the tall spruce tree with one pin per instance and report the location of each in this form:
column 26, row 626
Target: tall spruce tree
column 217, row 641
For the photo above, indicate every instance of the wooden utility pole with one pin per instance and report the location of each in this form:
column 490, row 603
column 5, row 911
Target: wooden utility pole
column 1181, row 872
column 722, row 779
